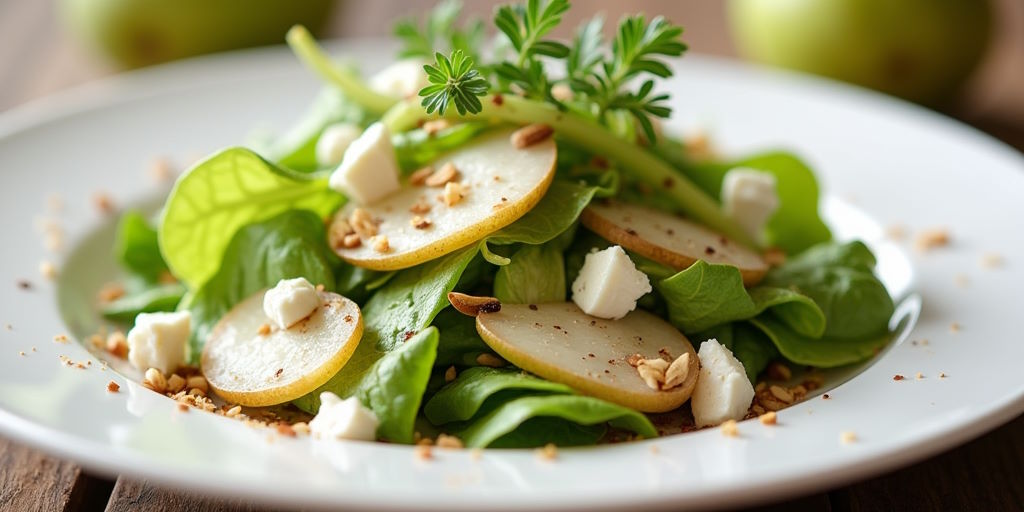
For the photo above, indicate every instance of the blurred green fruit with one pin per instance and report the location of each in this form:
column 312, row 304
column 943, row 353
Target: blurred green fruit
column 142, row 32
column 921, row 50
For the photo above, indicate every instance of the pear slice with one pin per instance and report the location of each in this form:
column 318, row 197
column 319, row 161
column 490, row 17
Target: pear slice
column 561, row 343
column 669, row 239
column 248, row 363
column 501, row 184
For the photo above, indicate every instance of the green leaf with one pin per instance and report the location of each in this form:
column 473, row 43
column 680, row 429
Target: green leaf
column 555, row 213
column 453, row 81
column 797, row 224
column 149, row 300
column 292, row 244
column 459, row 344
column 296, row 148
column 542, row 430
column 840, row 279
column 461, row 399
column 418, row 148
column 535, row 275
column 747, row 343
column 388, row 371
column 582, row 410
column 705, row 295
column 219, row 195
column 823, row 353
column 136, row 247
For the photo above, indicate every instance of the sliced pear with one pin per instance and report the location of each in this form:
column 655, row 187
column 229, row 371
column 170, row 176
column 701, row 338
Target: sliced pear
column 563, row 344
column 501, row 183
column 669, row 239
column 248, row 363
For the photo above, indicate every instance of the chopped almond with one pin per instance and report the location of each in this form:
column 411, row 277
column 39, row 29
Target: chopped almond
column 113, row 387
column 117, row 344
column 730, row 429
column 450, row 374
column 768, row 418
column 420, row 176
column 472, row 305
column 264, row 330
column 531, row 134
column 175, row 383
column 549, row 452
column 448, row 442
column 362, row 223
column 446, row 174
column 419, row 222
column 490, row 360
column 351, row 241
column 420, row 207
column 931, row 239
column 436, row 125
column 677, row 372
column 847, row 437
column 380, row 243
column 453, row 193
column 155, row 380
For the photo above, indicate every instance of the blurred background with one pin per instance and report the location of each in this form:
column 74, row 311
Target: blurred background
column 962, row 57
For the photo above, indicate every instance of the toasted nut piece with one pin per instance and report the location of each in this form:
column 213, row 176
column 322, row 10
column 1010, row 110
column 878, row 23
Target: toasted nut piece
column 362, row 223
column 423, row 452
column 931, row 239
column 198, row 382
column 117, row 344
column 782, row 394
column 490, row 360
column 340, row 227
column 548, row 452
column 768, row 418
column 473, row 306
column 446, row 174
column 446, row 441
column 113, row 387
column 453, row 193
column 677, row 372
column 419, row 222
column 651, row 375
column 432, row 127
column 175, row 383
column 234, row 411
column 155, row 380
column 773, row 256
column 779, row 371
column 420, row 207
column 380, row 243
column 264, row 330
column 417, row 178
column 351, row 241
column 450, row 374
column 531, row 134
column 730, row 429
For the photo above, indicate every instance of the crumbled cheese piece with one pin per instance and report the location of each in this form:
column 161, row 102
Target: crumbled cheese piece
column 369, row 169
column 290, row 301
column 401, row 79
column 723, row 391
column 335, row 139
column 158, row 340
column 750, row 198
column 343, row 419
column 609, row 284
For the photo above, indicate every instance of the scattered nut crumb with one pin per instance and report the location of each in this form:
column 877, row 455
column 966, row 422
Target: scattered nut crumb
column 898, row 377
column 896, row 232
column 652, row 371
column 301, row 428
column 446, row 174
column 561, row 92
column 450, row 374
column 117, row 344
column 61, row 338
column 362, row 223
column 730, row 428
column 234, row 411
column 530, row 135
column 490, row 360
column 931, row 239
column 475, row 454
column 351, row 241
column 654, row 449
column 847, row 437
column 102, row 202
column 453, row 193
column 285, row 429
column 160, row 170
column 549, row 452
column 113, row 387
column 175, row 383
column 47, row 270
column 419, row 222
column 942, row 375
column 781, row 393
column 954, row 327
column 423, row 452
column 21, row 353
column 197, row 382
column 420, row 176
column 110, row 292
column 420, row 207
column 183, row 407
column 264, row 330
column 155, row 380
column 779, row 371
column 448, row 442
column 991, row 260
column 768, row 418
column 380, row 244
column 436, row 125
column 699, row 147
column 919, row 376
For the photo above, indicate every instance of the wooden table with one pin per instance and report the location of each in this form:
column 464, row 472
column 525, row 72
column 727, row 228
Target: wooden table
column 987, row 474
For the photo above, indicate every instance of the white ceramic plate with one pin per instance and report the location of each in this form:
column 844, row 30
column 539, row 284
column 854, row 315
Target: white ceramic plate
column 882, row 162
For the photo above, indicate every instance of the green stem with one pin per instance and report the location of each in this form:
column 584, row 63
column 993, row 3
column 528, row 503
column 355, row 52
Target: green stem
column 309, row 52
column 690, row 199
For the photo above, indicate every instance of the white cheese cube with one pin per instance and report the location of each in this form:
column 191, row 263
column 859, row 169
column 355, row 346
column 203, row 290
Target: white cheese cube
column 158, row 341
column 343, row 419
column 290, row 301
column 402, row 79
column 723, row 391
column 369, row 169
column 335, row 139
column 609, row 284
column 749, row 197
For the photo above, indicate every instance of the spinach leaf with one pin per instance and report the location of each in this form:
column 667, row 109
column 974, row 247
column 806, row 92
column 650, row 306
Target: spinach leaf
column 823, row 353
column 535, row 275
column 840, row 279
column 389, row 370
column 357, row 283
column 459, row 342
column 705, row 295
column 296, row 149
column 292, row 244
column 149, row 299
column 462, row 398
column 219, row 195
column 136, row 247
column 542, row 430
column 582, row 410
column 797, row 224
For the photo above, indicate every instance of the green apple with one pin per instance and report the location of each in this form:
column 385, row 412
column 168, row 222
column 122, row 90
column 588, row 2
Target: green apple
column 921, row 50
column 142, row 32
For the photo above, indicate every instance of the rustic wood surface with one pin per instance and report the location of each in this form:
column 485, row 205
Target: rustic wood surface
column 38, row 58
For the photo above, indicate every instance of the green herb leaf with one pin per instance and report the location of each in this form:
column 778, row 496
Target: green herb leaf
column 455, row 81
column 391, row 366
column 219, row 195
column 462, row 398
column 292, row 244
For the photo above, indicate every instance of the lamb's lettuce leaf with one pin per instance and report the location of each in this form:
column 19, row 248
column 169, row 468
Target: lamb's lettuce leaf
column 292, row 244
column 535, row 275
column 825, row 352
column 391, row 365
column 136, row 247
column 218, row 196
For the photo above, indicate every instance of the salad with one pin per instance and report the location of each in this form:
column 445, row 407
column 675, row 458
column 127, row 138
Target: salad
column 473, row 249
